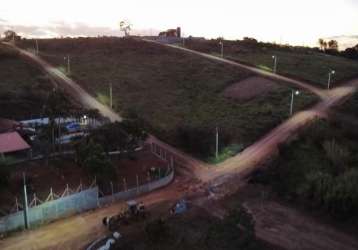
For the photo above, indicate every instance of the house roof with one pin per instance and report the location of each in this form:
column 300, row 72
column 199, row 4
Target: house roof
column 12, row 142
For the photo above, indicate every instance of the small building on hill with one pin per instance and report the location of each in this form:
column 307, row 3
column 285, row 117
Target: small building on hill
column 171, row 33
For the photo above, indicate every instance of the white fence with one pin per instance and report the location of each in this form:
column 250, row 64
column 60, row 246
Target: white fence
column 77, row 201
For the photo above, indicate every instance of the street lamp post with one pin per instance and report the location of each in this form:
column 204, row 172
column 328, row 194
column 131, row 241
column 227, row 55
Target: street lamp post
column 332, row 72
column 217, row 143
column 68, row 63
column 110, row 95
column 37, row 47
column 294, row 92
column 222, row 48
column 274, row 64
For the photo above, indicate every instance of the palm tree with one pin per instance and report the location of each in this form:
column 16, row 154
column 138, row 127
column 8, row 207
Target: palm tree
column 321, row 43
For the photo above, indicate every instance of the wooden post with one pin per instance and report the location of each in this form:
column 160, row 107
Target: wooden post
column 124, row 184
column 111, row 183
column 137, row 179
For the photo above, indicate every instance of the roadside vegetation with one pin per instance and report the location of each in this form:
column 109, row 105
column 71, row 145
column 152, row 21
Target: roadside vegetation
column 304, row 63
column 196, row 230
column 179, row 96
column 319, row 170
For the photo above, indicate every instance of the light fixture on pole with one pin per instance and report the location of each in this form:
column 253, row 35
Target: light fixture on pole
column 294, row 92
column 274, row 64
column 222, row 48
column 331, row 72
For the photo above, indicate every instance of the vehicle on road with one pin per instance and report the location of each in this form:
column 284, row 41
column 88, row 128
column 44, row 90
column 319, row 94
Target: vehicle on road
column 135, row 211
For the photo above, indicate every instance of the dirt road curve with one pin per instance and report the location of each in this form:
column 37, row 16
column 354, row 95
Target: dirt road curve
column 301, row 84
column 72, row 232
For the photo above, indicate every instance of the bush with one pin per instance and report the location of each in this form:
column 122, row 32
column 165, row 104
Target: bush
column 237, row 231
column 157, row 231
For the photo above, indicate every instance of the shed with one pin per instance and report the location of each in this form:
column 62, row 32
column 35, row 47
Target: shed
column 12, row 142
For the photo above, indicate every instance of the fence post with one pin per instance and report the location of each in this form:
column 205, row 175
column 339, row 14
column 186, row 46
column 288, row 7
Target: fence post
column 137, row 179
column 148, row 176
column 26, row 209
column 124, row 184
column 111, row 183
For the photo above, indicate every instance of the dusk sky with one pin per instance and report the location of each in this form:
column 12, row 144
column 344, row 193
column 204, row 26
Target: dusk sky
column 282, row 21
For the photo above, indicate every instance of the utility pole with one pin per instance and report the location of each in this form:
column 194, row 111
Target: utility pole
column 292, row 97
column 68, row 65
column 222, row 48
column 26, row 209
column 217, row 143
column 110, row 95
column 332, row 72
column 37, row 47
column 274, row 64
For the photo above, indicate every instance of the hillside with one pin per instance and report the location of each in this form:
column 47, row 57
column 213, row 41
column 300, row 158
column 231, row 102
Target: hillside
column 302, row 63
column 23, row 88
column 180, row 96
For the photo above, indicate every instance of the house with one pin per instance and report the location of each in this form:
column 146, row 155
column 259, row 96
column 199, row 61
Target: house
column 12, row 143
column 171, row 33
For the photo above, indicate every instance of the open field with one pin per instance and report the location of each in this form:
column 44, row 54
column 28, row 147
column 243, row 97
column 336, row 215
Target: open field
column 23, row 88
column 177, row 94
column 300, row 63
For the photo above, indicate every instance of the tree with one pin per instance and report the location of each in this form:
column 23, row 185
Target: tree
column 351, row 53
column 333, row 45
column 236, row 231
column 125, row 27
column 91, row 156
column 321, row 43
column 10, row 35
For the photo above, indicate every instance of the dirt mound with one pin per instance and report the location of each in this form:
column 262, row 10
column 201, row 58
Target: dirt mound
column 250, row 88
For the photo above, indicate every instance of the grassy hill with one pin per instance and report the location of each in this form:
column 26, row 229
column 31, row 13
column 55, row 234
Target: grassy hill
column 179, row 95
column 23, row 87
column 302, row 63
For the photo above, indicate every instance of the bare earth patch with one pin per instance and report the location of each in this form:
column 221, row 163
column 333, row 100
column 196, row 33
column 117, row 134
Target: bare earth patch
column 250, row 88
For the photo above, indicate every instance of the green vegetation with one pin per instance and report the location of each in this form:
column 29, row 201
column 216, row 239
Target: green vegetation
column 226, row 153
column 176, row 94
column 320, row 170
column 91, row 156
column 302, row 63
column 188, row 231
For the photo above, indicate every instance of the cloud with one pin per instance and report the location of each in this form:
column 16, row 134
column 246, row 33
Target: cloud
column 345, row 41
column 63, row 29
column 2, row 20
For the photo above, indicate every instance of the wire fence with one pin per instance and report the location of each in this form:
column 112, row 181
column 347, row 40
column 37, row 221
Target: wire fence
column 82, row 198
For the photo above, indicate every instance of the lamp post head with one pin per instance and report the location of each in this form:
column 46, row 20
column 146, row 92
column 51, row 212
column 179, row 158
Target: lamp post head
column 273, row 57
column 333, row 72
column 297, row 92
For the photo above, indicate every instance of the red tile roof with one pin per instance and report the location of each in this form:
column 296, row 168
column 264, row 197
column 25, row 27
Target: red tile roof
column 12, row 142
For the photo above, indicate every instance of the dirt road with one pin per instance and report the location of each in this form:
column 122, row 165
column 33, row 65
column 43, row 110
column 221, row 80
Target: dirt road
column 301, row 84
column 62, row 233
